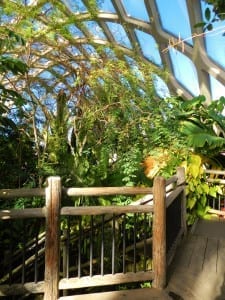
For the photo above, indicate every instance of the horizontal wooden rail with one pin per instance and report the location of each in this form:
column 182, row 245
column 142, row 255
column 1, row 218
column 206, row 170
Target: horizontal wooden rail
column 99, row 210
column 77, row 191
column 173, row 195
column 103, row 191
column 216, row 180
column 216, row 172
column 108, row 279
column 16, row 193
column 171, row 180
column 74, row 211
column 6, row 214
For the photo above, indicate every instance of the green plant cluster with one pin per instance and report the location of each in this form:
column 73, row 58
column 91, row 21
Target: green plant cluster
column 198, row 189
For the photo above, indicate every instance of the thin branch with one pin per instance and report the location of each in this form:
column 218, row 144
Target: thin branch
column 174, row 42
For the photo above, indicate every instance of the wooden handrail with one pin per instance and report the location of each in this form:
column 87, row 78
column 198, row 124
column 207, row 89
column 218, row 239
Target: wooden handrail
column 100, row 210
column 104, row 191
column 6, row 214
column 23, row 192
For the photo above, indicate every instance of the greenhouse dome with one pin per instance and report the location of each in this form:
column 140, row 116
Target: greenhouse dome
column 60, row 34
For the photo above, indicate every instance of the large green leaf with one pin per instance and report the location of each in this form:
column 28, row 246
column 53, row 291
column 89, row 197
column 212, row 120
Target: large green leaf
column 199, row 137
column 202, row 139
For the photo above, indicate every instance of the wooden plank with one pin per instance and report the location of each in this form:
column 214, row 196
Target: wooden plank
column 185, row 251
column 135, row 294
column 108, row 279
column 211, row 228
column 197, row 259
column 52, row 240
column 210, row 258
column 203, row 277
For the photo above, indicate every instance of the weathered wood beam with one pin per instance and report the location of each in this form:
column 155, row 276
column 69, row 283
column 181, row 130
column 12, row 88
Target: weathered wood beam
column 52, row 239
column 100, row 191
column 159, row 233
column 99, row 210
column 15, row 193
column 7, row 214
column 108, row 279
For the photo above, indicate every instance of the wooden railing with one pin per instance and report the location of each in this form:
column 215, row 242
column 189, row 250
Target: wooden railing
column 168, row 198
column 217, row 204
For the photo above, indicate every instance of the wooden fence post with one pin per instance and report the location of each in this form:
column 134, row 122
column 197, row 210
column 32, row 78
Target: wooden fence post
column 159, row 232
column 180, row 176
column 182, row 181
column 52, row 240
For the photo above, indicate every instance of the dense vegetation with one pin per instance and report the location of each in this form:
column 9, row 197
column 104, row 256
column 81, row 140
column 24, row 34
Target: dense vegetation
column 98, row 125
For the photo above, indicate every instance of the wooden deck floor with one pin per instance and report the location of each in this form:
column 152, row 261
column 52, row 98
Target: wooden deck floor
column 198, row 270
column 138, row 294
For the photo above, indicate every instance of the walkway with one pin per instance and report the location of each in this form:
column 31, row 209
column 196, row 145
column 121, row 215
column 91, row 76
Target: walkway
column 198, row 269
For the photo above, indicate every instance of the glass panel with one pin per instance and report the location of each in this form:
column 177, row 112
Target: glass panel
column 217, row 88
column 214, row 39
column 134, row 67
column 76, row 32
column 119, row 34
column 183, row 66
column 59, row 69
column 73, row 50
column 106, row 6
column 149, row 47
column 136, row 9
column 109, row 53
column 90, row 50
column 48, row 78
column 75, row 6
column 174, row 18
column 95, row 29
column 47, row 9
column 161, row 87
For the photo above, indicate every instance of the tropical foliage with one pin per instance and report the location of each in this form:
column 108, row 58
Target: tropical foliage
column 99, row 124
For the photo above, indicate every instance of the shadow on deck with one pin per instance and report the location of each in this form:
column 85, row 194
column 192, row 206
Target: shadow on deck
column 198, row 270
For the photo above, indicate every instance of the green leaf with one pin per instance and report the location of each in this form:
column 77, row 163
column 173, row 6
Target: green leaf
column 209, row 27
column 213, row 191
column 208, row 14
column 191, row 201
column 200, row 24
